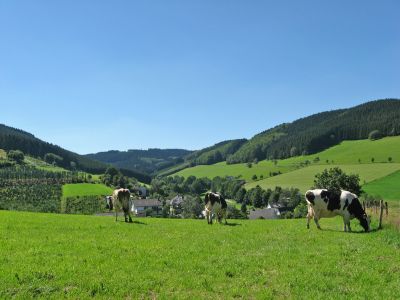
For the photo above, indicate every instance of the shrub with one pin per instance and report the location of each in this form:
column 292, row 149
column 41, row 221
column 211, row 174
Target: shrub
column 16, row 155
column 375, row 135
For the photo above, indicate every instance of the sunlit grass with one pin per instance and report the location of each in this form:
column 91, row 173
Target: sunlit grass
column 85, row 189
column 58, row 256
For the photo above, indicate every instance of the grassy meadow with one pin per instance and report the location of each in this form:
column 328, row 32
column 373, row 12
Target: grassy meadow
column 346, row 153
column 387, row 187
column 304, row 178
column 237, row 170
column 85, row 189
column 72, row 256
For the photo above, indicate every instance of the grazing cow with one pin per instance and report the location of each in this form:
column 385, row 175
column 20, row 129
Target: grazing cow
column 214, row 202
column 325, row 204
column 121, row 200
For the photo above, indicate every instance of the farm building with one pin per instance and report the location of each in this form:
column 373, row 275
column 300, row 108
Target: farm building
column 265, row 213
column 139, row 207
column 176, row 205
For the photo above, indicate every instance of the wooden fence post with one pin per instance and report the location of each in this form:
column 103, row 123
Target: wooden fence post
column 387, row 209
column 381, row 215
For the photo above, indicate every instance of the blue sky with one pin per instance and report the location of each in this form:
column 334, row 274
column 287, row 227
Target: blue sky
column 99, row 75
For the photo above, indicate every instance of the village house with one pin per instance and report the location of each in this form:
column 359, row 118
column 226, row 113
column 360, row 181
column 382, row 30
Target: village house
column 141, row 206
column 265, row 213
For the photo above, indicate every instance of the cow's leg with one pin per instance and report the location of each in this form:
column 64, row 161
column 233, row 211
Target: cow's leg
column 130, row 218
column 308, row 220
column 208, row 211
column 346, row 221
column 224, row 214
column 116, row 214
column 310, row 214
column 316, row 222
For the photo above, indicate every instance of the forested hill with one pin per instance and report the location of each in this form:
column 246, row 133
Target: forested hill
column 16, row 139
column 148, row 161
column 321, row 131
column 154, row 161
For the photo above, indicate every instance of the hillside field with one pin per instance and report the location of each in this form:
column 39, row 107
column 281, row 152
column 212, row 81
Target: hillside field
column 303, row 178
column 85, row 189
column 65, row 256
column 347, row 152
column 387, row 187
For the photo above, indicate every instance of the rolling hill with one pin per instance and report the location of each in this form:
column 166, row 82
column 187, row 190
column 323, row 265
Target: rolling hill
column 168, row 161
column 16, row 139
column 347, row 152
column 303, row 178
column 146, row 161
column 321, row 131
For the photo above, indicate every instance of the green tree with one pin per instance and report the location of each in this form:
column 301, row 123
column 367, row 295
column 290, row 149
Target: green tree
column 375, row 135
column 240, row 195
column 243, row 208
column 52, row 158
column 335, row 179
column 192, row 207
column 390, row 159
column 16, row 155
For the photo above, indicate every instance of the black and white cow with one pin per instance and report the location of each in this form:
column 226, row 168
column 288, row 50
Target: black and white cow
column 120, row 199
column 215, row 203
column 325, row 204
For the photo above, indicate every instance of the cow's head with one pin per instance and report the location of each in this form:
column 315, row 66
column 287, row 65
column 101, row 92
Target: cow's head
column 365, row 222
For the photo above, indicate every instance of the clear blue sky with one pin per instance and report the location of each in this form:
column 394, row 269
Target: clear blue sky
column 99, row 75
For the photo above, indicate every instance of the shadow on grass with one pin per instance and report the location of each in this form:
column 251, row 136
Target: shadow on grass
column 350, row 232
column 138, row 222
column 233, row 224
column 133, row 222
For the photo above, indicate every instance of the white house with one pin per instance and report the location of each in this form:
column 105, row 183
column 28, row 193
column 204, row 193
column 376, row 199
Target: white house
column 139, row 207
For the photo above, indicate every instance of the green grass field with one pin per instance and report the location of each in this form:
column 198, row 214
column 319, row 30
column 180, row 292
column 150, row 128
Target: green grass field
column 79, row 257
column 387, row 187
column 85, row 189
column 222, row 169
column 304, row 178
column 348, row 152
